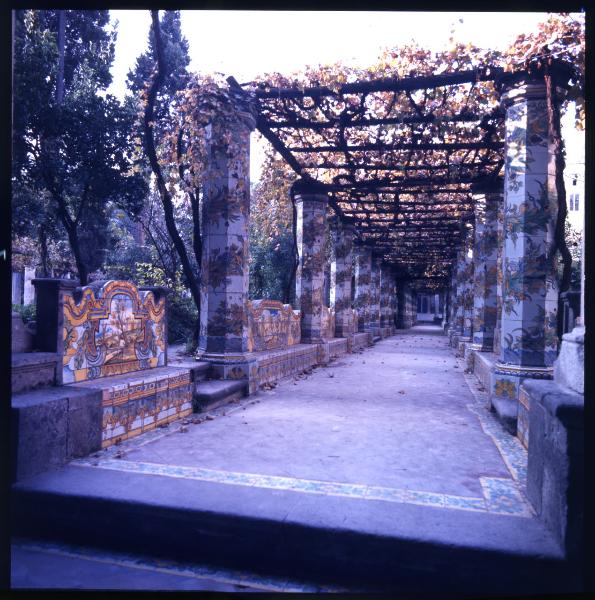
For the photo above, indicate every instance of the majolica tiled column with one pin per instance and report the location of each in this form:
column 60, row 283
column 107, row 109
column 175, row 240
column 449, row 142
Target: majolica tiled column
column 452, row 301
column 485, row 252
column 363, row 269
column 341, row 272
column 224, row 269
column 529, row 287
column 385, row 295
column 466, row 292
column 393, row 303
column 499, row 277
column 457, row 305
column 375, row 293
column 311, row 238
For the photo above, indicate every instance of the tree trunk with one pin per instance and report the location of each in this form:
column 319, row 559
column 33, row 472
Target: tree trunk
column 165, row 196
column 81, row 267
column 43, row 244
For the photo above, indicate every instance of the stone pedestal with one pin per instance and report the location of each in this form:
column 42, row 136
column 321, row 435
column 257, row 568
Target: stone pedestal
column 49, row 312
column 341, row 273
column 529, row 286
column 363, row 269
column 569, row 368
column 224, row 269
column 311, row 239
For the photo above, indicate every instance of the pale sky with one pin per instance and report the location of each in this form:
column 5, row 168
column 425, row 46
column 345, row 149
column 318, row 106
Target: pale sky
column 248, row 43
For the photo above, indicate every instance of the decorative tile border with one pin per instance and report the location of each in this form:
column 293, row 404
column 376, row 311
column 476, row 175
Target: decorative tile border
column 499, row 498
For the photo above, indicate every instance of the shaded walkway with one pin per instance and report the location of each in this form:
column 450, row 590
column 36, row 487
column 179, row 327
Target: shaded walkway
column 397, row 416
column 382, row 470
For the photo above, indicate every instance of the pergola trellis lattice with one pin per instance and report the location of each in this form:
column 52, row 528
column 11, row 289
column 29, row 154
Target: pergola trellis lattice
column 397, row 157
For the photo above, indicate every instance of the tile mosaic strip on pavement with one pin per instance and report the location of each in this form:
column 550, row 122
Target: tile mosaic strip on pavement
column 500, row 498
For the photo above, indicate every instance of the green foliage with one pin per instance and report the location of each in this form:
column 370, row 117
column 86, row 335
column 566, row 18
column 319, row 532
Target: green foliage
column 182, row 316
column 27, row 311
column 270, row 266
column 71, row 154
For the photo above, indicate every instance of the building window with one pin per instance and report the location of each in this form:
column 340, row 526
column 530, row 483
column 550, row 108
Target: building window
column 574, row 201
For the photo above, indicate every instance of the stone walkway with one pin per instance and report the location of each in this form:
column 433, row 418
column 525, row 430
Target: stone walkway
column 400, row 422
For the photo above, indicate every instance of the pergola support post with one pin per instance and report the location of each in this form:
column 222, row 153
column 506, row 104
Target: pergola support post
column 311, row 239
column 363, row 274
column 499, row 276
column 529, row 288
column 375, row 292
column 341, row 273
column 485, row 253
column 223, row 331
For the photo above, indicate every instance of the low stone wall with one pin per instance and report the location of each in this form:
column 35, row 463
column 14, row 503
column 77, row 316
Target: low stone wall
column 328, row 323
column 483, row 364
column 272, row 325
column 277, row 364
column 362, row 340
column 556, row 461
column 337, row 347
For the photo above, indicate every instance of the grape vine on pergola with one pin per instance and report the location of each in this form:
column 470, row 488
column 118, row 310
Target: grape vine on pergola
column 397, row 157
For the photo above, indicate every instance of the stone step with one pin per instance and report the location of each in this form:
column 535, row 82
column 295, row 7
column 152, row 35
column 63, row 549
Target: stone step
column 217, row 392
column 378, row 545
column 32, row 370
column 376, row 338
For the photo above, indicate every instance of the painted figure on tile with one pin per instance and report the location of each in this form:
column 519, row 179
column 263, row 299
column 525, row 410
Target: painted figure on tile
column 114, row 328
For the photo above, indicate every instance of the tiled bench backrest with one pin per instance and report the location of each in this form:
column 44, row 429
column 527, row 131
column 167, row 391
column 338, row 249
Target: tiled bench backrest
column 111, row 329
column 103, row 329
column 272, row 325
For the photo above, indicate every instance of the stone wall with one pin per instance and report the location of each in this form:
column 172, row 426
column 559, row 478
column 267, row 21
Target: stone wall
column 272, row 325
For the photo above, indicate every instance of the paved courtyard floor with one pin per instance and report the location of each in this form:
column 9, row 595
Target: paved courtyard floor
column 399, row 422
column 393, row 441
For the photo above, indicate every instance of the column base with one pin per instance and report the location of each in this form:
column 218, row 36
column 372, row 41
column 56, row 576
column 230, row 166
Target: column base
column 505, row 394
column 233, row 366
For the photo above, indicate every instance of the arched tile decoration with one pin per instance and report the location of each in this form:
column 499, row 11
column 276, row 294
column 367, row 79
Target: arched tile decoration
column 111, row 329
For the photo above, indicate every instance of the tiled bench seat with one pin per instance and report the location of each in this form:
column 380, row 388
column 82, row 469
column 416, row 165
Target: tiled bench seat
column 140, row 401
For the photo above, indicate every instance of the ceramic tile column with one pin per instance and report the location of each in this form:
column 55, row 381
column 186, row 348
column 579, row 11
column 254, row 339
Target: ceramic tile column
column 457, row 305
column 485, row 252
column 224, row 269
column 341, row 273
column 375, row 294
column 405, row 306
column 311, row 238
column 529, row 286
column 363, row 269
column 385, row 295
column 466, row 291
column 499, row 275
